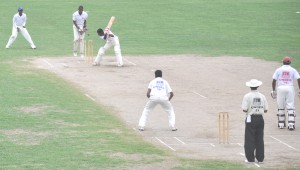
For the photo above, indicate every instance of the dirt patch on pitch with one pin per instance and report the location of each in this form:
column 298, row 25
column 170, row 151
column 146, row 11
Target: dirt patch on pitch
column 203, row 87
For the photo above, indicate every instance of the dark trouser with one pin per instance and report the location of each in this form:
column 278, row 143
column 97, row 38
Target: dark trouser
column 254, row 139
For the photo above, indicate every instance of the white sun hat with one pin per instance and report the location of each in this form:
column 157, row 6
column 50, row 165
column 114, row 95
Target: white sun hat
column 253, row 83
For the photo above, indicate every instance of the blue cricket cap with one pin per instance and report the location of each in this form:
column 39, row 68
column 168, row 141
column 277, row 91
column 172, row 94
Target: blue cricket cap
column 20, row 8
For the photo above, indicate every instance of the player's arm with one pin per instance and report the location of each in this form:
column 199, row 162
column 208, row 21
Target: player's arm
column 171, row 96
column 148, row 93
column 274, row 84
column 74, row 22
column 24, row 21
column 245, row 105
column 84, row 24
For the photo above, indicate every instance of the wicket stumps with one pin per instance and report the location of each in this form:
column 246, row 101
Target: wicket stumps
column 88, row 51
column 223, row 127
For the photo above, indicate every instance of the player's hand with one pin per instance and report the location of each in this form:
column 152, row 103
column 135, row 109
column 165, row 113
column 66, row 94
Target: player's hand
column 81, row 31
column 106, row 30
column 274, row 94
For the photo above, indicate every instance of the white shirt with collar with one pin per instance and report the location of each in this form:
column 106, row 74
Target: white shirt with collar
column 19, row 21
column 255, row 103
column 285, row 75
column 79, row 19
column 159, row 88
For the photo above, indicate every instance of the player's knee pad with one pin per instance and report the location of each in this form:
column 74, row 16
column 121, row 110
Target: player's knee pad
column 281, row 118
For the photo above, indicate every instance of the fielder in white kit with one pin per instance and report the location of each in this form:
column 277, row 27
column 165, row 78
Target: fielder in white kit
column 159, row 92
column 283, row 78
column 111, row 41
column 19, row 25
column 79, row 28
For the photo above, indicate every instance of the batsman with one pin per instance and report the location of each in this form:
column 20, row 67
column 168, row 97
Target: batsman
column 283, row 78
column 112, row 40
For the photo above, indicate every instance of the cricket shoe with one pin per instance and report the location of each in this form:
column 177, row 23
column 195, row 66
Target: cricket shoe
column 74, row 54
column 174, row 129
column 291, row 127
column 141, row 128
column 7, row 47
column 120, row 65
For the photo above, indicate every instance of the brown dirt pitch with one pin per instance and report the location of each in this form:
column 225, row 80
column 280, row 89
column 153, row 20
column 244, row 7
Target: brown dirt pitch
column 203, row 87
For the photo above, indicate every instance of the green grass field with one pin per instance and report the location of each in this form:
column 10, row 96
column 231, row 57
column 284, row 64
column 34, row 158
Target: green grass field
column 46, row 123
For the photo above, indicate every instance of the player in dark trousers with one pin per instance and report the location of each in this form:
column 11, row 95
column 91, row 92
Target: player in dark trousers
column 254, row 105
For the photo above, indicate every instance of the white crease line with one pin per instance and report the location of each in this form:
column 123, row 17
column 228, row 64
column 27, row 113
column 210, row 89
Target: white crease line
column 256, row 165
column 284, row 143
column 179, row 140
column 250, row 162
column 165, row 144
column 199, row 95
column 90, row 97
column 51, row 65
column 130, row 61
column 64, row 64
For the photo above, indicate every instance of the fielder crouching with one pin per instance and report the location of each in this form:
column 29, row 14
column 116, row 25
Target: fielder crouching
column 19, row 25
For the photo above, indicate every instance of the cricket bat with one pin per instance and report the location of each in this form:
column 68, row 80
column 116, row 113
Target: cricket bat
column 110, row 23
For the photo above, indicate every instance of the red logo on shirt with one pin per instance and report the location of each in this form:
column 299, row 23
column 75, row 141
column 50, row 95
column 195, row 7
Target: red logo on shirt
column 285, row 74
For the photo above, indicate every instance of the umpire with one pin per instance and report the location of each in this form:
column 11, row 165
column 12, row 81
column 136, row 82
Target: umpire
column 254, row 105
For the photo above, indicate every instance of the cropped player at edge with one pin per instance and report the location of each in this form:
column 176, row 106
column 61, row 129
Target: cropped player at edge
column 283, row 78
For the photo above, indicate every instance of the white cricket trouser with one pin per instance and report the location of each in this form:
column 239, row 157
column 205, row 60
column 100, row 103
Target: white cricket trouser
column 112, row 41
column 152, row 102
column 285, row 100
column 25, row 34
column 78, row 40
column 285, row 97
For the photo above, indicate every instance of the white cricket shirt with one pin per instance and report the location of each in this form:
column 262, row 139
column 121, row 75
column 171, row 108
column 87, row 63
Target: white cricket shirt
column 19, row 21
column 79, row 19
column 255, row 103
column 285, row 75
column 159, row 88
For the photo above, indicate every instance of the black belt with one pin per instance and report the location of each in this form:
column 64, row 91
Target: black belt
column 256, row 115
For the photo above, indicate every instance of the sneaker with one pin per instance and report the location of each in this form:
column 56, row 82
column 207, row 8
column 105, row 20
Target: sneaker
column 141, row 128
column 75, row 54
column 120, row 65
column 174, row 129
column 7, row 47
